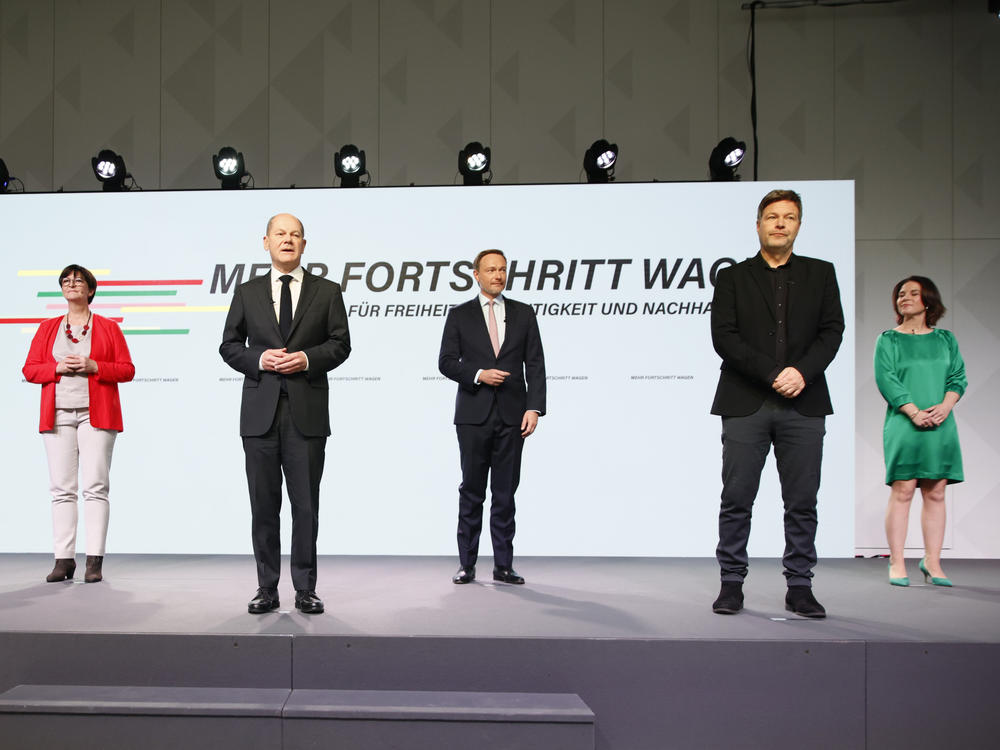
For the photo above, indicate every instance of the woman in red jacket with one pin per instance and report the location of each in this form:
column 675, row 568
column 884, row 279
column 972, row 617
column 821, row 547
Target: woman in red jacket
column 79, row 359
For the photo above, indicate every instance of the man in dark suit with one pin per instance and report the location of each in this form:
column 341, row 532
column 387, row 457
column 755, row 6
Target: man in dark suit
column 491, row 347
column 777, row 323
column 285, row 331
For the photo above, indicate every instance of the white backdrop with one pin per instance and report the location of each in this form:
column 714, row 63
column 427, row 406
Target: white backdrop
column 625, row 463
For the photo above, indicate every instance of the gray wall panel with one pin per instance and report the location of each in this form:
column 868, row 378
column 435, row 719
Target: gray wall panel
column 323, row 71
column 26, row 39
column 215, row 66
column 548, row 84
column 893, row 116
column 106, row 72
column 434, row 94
column 663, row 117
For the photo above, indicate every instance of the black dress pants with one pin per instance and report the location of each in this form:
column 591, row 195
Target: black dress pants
column 283, row 449
column 798, row 452
column 491, row 450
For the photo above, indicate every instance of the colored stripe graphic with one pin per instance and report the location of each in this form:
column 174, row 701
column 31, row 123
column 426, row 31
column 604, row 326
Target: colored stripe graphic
column 102, row 293
column 156, row 331
column 192, row 308
column 116, row 306
column 152, row 282
column 25, row 321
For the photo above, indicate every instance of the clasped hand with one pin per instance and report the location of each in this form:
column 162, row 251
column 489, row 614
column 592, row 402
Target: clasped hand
column 74, row 363
column 283, row 361
column 932, row 416
column 493, row 377
column 789, row 382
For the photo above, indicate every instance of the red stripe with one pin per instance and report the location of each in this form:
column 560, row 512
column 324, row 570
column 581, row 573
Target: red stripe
column 149, row 282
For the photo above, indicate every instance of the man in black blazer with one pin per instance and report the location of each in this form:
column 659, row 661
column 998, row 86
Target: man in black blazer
column 777, row 323
column 491, row 347
column 285, row 331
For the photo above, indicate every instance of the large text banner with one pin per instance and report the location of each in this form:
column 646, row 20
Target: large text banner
column 626, row 462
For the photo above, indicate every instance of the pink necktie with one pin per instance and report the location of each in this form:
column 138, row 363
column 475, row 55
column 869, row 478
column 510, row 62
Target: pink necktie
column 494, row 332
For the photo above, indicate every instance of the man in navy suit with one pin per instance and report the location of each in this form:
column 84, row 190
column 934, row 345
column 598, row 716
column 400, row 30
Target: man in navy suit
column 285, row 331
column 491, row 347
column 777, row 323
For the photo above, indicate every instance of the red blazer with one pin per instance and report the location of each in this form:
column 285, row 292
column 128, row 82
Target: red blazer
column 114, row 365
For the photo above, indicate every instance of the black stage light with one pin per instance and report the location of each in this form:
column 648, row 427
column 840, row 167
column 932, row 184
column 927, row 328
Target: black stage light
column 230, row 168
column 599, row 161
column 349, row 164
column 993, row 6
column 474, row 164
column 725, row 158
column 4, row 177
column 109, row 169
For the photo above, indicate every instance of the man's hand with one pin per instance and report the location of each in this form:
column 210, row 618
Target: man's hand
column 493, row 377
column 291, row 362
column 270, row 358
column 789, row 382
column 529, row 422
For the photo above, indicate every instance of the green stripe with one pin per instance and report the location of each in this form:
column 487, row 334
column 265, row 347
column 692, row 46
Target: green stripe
column 163, row 293
column 161, row 332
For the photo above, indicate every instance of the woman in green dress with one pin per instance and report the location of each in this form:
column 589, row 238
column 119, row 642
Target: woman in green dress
column 921, row 375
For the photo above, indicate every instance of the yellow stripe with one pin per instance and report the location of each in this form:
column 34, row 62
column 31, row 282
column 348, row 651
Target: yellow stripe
column 45, row 272
column 192, row 308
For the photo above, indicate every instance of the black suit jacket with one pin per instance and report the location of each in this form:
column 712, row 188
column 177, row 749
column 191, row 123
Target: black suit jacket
column 319, row 328
column 466, row 349
column 744, row 326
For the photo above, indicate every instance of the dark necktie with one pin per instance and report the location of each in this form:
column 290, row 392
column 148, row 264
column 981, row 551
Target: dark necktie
column 285, row 308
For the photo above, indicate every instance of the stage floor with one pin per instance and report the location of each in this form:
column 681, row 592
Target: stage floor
column 615, row 598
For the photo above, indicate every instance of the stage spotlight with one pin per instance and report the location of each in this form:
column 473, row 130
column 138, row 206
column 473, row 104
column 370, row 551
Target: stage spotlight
column 993, row 6
column 349, row 164
column 725, row 158
column 230, row 168
column 474, row 164
column 599, row 161
column 4, row 177
column 109, row 169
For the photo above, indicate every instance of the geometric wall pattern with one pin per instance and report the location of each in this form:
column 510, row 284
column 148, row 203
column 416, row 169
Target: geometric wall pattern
column 902, row 98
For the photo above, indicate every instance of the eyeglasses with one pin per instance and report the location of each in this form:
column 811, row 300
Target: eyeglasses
column 74, row 282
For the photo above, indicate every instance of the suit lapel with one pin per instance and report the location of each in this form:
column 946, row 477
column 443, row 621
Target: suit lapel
column 306, row 296
column 510, row 320
column 759, row 274
column 262, row 299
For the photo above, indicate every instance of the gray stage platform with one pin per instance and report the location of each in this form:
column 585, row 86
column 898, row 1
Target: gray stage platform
column 635, row 639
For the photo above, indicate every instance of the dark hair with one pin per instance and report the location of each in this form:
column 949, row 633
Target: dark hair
column 929, row 294
column 779, row 195
column 74, row 270
column 483, row 253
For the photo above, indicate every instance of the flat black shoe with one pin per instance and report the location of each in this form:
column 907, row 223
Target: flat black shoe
column 308, row 603
column 730, row 599
column 266, row 600
column 465, row 574
column 506, row 575
column 801, row 601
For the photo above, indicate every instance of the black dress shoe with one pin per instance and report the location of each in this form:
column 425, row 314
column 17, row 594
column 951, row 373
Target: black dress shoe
column 730, row 599
column 308, row 603
column 465, row 574
column 266, row 600
column 506, row 575
column 801, row 601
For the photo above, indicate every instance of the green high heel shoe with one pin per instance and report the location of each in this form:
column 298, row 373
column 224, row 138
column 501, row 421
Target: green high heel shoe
column 904, row 581
column 932, row 579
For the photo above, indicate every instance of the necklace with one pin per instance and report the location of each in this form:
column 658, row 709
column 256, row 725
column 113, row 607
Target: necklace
column 86, row 327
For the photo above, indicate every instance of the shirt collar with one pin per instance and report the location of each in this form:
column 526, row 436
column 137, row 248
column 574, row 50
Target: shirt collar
column 484, row 300
column 297, row 273
column 767, row 266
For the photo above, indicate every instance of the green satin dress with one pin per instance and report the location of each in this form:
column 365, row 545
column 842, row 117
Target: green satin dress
column 919, row 369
